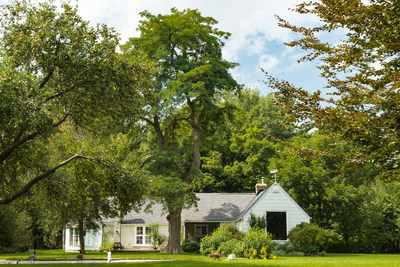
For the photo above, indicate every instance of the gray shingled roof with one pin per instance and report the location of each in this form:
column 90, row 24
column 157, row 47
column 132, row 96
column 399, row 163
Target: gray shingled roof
column 211, row 207
column 218, row 207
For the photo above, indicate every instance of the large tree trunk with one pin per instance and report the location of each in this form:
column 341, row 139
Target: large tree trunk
column 81, row 236
column 197, row 130
column 160, row 134
column 174, row 231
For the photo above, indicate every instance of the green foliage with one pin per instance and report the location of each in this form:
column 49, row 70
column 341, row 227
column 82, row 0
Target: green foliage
column 187, row 48
column 156, row 238
column 361, row 71
column 227, row 239
column 14, row 237
column 55, row 69
column 310, row 238
column 192, row 247
column 286, row 249
column 219, row 236
column 239, row 146
column 107, row 243
column 215, row 242
column 205, row 245
column 257, row 221
column 228, row 247
column 254, row 240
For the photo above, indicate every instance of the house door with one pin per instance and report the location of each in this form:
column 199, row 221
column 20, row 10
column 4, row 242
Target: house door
column 276, row 225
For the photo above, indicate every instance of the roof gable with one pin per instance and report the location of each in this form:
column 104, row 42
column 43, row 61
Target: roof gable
column 265, row 193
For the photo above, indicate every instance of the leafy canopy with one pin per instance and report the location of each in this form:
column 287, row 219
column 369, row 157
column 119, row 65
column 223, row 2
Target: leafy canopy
column 363, row 72
column 54, row 68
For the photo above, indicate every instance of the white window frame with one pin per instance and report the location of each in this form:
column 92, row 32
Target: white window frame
column 143, row 231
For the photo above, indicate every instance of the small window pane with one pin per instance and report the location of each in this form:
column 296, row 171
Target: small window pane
column 148, row 240
column 139, row 240
column 148, row 230
column 140, row 231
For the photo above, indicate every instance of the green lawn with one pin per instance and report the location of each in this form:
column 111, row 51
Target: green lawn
column 193, row 260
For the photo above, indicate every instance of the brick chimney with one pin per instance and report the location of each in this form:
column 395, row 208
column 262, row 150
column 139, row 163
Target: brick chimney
column 261, row 187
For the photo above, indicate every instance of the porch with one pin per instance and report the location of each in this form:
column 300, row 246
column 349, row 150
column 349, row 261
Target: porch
column 194, row 231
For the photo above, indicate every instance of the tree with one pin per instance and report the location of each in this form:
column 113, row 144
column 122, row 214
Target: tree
column 238, row 149
column 111, row 185
column 363, row 72
column 187, row 49
column 54, row 68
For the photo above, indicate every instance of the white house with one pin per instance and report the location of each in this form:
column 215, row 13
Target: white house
column 133, row 232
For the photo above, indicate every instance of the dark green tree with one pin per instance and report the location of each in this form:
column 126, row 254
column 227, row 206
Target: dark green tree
column 187, row 49
column 239, row 142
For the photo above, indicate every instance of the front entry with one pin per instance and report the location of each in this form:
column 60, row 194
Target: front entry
column 276, row 225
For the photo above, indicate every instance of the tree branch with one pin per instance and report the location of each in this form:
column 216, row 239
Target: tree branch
column 46, row 79
column 147, row 120
column 18, row 141
column 172, row 122
column 40, row 177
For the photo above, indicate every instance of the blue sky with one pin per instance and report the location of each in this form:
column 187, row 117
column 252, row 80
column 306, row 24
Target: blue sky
column 256, row 39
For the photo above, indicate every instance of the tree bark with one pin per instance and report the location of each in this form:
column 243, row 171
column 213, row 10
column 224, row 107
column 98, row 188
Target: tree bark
column 174, row 231
column 197, row 130
column 81, row 236
column 160, row 134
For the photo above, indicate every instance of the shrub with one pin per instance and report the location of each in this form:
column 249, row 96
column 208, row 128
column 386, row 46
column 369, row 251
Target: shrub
column 205, row 245
column 224, row 241
column 213, row 243
column 257, row 221
column 239, row 249
column 216, row 241
column 157, row 238
column 107, row 246
column 310, row 238
column 221, row 235
column 286, row 247
column 254, row 240
column 188, row 246
column 228, row 247
column 238, row 235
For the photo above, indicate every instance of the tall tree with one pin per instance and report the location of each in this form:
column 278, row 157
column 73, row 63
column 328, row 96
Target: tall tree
column 54, row 68
column 187, row 48
column 363, row 72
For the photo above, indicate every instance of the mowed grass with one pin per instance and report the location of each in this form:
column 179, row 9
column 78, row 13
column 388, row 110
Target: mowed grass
column 193, row 260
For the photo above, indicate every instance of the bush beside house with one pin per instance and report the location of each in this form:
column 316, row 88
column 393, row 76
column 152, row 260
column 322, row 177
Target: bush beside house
column 310, row 238
column 227, row 240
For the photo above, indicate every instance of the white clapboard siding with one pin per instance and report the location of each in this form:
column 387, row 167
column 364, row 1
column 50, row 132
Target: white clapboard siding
column 276, row 199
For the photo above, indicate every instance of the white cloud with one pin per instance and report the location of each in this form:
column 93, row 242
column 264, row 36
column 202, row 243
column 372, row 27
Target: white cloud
column 268, row 62
column 251, row 22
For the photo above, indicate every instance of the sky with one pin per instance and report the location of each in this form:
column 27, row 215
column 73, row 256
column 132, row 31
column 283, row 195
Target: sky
column 256, row 42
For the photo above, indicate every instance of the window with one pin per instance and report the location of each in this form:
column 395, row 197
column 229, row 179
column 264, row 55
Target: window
column 276, row 225
column 201, row 230
column 143, row 235
column 74, row 237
